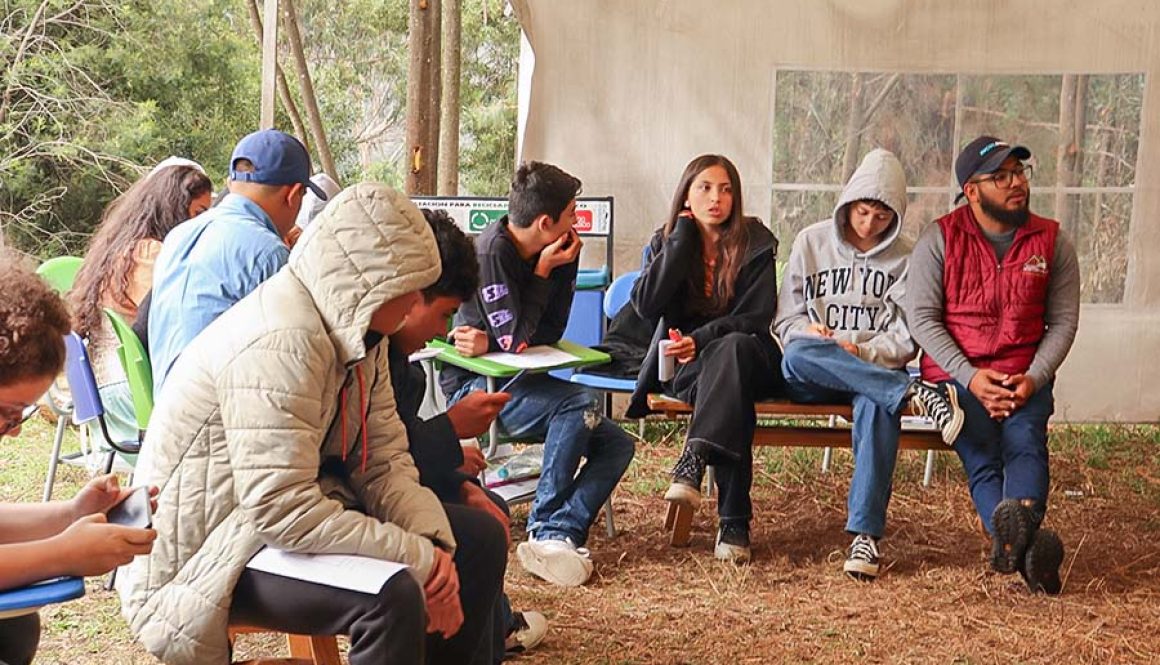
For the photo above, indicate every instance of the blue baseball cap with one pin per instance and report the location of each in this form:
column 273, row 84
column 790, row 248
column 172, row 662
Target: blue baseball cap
column 278, row 159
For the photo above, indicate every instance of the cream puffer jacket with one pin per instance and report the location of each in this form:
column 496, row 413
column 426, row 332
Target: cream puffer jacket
column 251, row 411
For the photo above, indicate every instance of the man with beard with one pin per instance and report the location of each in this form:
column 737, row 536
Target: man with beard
column 993, row 300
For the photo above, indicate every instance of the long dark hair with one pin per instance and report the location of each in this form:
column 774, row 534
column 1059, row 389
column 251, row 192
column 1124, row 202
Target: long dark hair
column 733, row 244
column 150, row 209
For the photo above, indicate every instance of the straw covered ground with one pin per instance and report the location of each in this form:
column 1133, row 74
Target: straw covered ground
column 936, row 601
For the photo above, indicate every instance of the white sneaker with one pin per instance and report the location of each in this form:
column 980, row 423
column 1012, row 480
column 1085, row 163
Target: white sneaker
column 557, row 561
column 529, row 630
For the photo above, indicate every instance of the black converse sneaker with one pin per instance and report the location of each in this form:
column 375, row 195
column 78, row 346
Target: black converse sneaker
column 927, row 400
column 1040, row 569
column 733, row 542
column 1014, row 528
column 862, row 561
column 687, row 476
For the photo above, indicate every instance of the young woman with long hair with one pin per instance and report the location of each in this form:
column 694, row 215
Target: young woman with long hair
column 710, row 285
column 118, row 273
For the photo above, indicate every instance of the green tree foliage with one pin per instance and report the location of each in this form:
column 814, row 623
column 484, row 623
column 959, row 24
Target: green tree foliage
column 104, row 89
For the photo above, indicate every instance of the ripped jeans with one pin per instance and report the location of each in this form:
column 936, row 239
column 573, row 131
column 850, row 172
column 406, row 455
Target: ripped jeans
column 571, row 422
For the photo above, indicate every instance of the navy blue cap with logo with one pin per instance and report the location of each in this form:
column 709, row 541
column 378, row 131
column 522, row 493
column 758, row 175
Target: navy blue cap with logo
column 982, row 156
column 277, row 159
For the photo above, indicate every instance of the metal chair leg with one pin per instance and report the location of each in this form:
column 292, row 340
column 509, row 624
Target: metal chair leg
column 57, row 441
column 827, row 455
column 609, row 523
column 710, row 481
column 928, row 472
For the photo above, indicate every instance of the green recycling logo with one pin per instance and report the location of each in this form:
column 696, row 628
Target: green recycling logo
column 479, row 219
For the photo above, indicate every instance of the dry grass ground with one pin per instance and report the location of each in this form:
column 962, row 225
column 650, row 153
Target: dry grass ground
column 936, row 602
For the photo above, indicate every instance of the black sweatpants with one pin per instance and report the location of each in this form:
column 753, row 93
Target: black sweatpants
column 390, row 627
column 722, row 383
column 19, row 637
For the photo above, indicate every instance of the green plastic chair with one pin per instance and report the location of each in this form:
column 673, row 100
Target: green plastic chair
column 61, row 272
column 139, row 372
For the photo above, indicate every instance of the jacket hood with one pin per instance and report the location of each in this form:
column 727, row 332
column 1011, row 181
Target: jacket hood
column 879, row 177
column 369, row 245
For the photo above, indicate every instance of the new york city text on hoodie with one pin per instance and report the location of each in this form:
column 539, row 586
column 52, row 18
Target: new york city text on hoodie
column 855, row 294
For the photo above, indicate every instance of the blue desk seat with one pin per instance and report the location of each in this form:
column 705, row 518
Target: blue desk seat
column 28, row 599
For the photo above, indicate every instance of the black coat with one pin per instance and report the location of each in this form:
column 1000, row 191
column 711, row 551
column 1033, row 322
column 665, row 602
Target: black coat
column 661, row 295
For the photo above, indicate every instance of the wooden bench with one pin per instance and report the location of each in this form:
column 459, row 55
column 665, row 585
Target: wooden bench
column 679, row 519
column 304, row 649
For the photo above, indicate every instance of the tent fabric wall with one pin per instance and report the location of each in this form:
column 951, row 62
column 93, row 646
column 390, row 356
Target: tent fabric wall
column 624, row 93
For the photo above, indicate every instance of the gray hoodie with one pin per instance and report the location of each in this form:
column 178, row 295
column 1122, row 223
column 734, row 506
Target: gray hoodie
column 855, row 294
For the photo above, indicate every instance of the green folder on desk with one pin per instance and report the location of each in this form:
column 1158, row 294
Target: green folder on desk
column 583, row 357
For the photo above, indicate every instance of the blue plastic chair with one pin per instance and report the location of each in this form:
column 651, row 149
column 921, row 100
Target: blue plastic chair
column 28, row 599
column 617, row 296
column 87, row 405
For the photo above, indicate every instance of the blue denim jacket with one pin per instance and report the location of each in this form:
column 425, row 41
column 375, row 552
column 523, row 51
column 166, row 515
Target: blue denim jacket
column 205, row 266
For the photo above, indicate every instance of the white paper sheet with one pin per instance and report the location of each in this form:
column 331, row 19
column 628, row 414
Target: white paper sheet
column 423, row 354
column 533, row 357
column 520, row 490
column 341, row 571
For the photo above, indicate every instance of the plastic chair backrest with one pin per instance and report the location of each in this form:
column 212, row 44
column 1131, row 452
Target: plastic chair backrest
column 619, row 293
column 81, row 382
column 138, row 371
column 60, row 272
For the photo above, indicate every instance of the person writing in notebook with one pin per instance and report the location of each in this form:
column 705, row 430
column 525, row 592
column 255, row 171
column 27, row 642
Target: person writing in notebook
column 528, row 262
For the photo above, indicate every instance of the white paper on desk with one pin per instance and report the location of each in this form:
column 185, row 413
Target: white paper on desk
column 533, row 357
column 341, row 571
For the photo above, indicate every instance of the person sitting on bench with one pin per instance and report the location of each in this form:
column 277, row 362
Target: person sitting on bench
column 712, row 283
column 994, row 304
column 840, row 321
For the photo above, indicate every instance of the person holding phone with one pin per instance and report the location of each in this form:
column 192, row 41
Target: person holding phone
column 45, row 540
column 709, row 285
column 528, row 264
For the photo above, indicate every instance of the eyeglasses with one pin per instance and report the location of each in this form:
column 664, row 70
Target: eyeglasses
column 14, row 415
column 1003, row 179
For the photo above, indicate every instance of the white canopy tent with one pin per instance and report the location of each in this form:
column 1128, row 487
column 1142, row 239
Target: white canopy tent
column 623, row 94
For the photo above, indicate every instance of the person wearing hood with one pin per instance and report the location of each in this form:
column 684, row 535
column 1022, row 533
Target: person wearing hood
column 845, row 339
column 710, row 287
column 281, row 430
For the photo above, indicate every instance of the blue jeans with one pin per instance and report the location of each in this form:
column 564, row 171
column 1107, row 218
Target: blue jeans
column 570, row 420
column 820, row 371
column 1006, row 459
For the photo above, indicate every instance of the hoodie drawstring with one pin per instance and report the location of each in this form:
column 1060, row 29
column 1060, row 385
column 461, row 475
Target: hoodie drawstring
column 362, row 410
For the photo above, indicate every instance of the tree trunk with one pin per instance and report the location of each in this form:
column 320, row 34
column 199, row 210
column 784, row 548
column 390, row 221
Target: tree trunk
column 1069, row 156
column 283, row 87
column 422, row 106
column 309, row 100
column 268, row 107
column 853, row 127
column 449, row 117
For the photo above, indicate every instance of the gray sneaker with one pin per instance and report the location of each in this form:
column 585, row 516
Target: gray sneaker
column 927, row 399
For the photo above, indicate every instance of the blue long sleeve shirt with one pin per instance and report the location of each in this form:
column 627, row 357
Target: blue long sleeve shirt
column 205, row 266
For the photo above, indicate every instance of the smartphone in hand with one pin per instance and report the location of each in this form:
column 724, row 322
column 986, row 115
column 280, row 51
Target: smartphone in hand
column 134, row 510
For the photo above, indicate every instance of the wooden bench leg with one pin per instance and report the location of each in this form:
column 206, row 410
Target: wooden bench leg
column 679, row 520
column 317, row 649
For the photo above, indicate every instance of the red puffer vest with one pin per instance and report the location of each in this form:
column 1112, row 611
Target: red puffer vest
column 994, row 311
